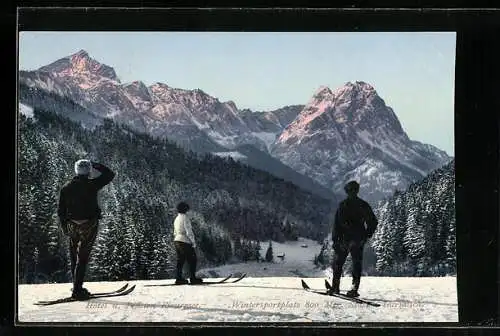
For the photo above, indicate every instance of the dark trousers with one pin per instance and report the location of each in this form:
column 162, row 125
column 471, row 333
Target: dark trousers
column 185, row 252
column 81, row 239
column 342, row 250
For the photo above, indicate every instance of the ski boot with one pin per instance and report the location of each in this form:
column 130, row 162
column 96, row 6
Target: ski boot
column 354, row 289
column 80, row 294
column 352, row 293
column 195, row 281
column 181, row 282
column 334, row 289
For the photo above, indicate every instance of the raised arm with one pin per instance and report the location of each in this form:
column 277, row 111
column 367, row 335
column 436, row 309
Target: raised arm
column 106, row 176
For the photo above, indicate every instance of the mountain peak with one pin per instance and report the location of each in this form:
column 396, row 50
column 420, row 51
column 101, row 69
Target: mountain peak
column 136, row 83
column 356, row 86
column 81, row 54
column 360, row 84
column 80, row 64
column 232, row 104
column 321, row 93
column 159, row 85
column 323, row 89
column 138, row 88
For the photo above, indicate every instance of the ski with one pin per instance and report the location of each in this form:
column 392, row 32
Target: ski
column 200, row 284
column 223, row 281
column 212, row 282
column 340, row 296
column 92, row 296
column 239, row 278
column 121, row 289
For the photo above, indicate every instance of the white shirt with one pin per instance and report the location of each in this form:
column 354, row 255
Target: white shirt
column 183, row 231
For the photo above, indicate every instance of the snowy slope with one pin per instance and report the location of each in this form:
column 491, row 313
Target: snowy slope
column 298, row 261
column 26, row 110
column 270, row 293
column 234, row 155
column 253, row 299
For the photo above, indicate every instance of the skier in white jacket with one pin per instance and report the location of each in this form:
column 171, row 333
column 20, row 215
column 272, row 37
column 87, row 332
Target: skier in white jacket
column 185, row 244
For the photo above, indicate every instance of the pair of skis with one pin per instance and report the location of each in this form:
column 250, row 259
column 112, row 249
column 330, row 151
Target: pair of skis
column 119, row 292
column 223, row 281
column 125, row 290
column 340, row 296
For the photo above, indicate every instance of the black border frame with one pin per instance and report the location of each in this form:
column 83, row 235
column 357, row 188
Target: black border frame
column 476, row 128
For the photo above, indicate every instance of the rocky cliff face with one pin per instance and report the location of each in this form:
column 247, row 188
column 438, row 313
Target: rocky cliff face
column 350, row 133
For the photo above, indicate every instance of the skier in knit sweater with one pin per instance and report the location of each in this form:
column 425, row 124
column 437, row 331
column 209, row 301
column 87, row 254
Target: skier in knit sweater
column 185, row 244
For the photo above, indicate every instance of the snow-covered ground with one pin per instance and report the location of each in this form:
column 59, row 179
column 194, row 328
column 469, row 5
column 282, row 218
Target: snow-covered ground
column 234, row 155
column 271, row 292
column 297, row 261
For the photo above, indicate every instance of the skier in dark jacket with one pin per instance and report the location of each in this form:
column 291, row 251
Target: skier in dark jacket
column 355, row 222
column 78, row 214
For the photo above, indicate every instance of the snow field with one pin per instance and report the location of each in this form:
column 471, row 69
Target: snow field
column 271, row 292
column 269, row 299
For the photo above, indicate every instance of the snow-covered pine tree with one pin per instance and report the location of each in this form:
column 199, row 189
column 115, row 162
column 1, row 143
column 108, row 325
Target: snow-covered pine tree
column 417, row 227
column 383, row 240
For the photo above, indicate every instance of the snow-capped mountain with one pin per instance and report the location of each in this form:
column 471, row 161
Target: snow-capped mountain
column 189, row 117
column 350, row 133
column 339, row 135
column 89, row 83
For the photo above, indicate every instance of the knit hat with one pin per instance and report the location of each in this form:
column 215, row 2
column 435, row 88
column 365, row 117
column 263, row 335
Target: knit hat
column 82, row 167
column 182, row 207
column 352, row 186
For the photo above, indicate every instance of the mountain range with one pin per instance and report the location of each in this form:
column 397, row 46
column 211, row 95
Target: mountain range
column 342, row 134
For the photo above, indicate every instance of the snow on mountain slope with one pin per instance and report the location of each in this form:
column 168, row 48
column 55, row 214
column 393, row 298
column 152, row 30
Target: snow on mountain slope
column 26, row 110
column 267, row 137
column 156, row 108
column 339, row 134
column 350, row 133
column 80, row 64
column 234, row 155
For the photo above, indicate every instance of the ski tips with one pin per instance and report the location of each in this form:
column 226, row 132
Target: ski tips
column 123, row 288
column 304, row 285
column 119, row 292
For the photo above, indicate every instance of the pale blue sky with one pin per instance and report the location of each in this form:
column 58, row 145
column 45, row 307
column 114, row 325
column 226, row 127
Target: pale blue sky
column 412, row 72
